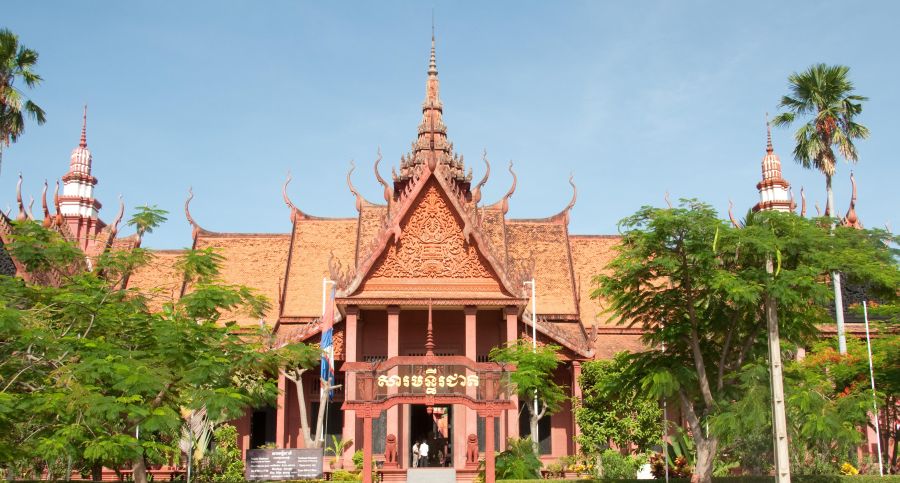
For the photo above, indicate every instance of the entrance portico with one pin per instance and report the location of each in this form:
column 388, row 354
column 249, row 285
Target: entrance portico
column 469, row 332
column 434, row 381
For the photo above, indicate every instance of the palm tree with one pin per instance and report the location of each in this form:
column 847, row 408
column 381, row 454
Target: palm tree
column 825, row 93
column 16, row 62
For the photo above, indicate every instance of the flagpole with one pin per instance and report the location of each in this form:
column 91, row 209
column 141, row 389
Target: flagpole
column 322, row 396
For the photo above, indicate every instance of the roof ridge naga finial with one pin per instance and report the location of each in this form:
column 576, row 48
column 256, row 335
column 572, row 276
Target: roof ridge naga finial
column 59, row 217
column 114, row 226
column 731, row 217
column 47, row 221
column 388, row 192
column 359, row 198
column 851, row 219
column 476, row 193
column 802, row 202
column 574, row 193
column 295, row 212
column 512, row 189
column 195, row 227
column 21, row 215
column 565, row 211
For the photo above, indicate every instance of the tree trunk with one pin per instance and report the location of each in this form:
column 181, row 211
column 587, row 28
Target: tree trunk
column 706, row 454
column 836, row 276
column 706, row 446
column 296, row 376
column 97, row 472
column 533, row 421
column 139, row 470
column 320, row 418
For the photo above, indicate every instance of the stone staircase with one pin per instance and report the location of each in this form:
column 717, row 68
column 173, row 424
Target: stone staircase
column 431, row 475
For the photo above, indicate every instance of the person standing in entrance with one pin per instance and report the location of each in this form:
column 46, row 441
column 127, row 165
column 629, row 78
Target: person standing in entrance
column 415, row 454
column 423, row 453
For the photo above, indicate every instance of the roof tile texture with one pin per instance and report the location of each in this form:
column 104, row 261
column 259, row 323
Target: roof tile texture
column 547, row 245
column 590, row 255
column 314, row 242
column 256, row 261
column 159, row 279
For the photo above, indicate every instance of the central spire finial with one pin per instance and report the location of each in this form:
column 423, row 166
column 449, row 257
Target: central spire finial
column 432, row 64
column 83, row 142
column 769, row 147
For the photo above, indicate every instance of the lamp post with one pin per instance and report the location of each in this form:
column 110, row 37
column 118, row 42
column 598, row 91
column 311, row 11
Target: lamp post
column 533, row 335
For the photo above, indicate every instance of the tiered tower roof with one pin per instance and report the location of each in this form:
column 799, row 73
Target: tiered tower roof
column 774, row 190
column 432, row 146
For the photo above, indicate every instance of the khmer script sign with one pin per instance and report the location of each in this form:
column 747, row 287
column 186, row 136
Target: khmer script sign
column 284, row 464
column 419, row 379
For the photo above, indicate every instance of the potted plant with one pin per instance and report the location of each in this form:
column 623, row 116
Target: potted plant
column 337, row 448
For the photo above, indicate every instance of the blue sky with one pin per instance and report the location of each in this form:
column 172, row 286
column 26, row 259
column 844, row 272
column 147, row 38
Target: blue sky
column 634, row 98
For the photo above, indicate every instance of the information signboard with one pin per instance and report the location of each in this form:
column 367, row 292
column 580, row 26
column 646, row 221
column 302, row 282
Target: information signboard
column 284, row 464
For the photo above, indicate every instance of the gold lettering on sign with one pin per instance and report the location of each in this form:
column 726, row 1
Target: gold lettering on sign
column 431, row 380
column 433, row 245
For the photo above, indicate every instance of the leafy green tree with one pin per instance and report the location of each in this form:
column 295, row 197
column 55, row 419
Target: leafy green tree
column 91, row 375
column 16, row 64
column 698, row 288
column 609, row 414
column 533, row 379
column 828, row 399
column 825, row 93
column 146, row 219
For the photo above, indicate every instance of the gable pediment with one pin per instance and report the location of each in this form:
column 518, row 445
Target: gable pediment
column 432, row 254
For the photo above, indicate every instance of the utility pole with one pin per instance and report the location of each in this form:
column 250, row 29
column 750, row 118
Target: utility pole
column 874, row 397
column 779, row 419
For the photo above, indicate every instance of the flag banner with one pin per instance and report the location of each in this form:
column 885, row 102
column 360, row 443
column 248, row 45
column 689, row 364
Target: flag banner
column 327, row 344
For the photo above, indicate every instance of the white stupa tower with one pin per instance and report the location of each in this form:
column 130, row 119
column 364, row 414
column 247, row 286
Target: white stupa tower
column 774, row 191
column 77, row 205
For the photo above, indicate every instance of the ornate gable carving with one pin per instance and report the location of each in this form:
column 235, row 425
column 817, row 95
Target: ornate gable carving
column 433, row 249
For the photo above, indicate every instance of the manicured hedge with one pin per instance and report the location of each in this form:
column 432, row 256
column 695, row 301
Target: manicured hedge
column 743, row 479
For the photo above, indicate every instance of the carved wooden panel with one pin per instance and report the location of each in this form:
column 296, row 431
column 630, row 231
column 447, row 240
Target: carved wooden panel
column 432, row 245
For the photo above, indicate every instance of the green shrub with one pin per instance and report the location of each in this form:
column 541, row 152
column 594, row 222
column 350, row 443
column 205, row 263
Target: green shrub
column 344, row 475
column 518, row 461
column 223, row 464
column 617, row 465
column 358, row 459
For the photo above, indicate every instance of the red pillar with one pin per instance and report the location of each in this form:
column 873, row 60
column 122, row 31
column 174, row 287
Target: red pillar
column 489, row 470
column 350, row 338
column 367, row 449
column 393, row 350
column 512, row 334
column 576, row 393
column 471, row 421
column 281, row 413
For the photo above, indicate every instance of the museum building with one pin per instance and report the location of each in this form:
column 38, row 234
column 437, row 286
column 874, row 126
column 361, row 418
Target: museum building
column 430, row 271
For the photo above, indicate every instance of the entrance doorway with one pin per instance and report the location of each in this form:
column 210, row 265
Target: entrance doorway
column 432, row 425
